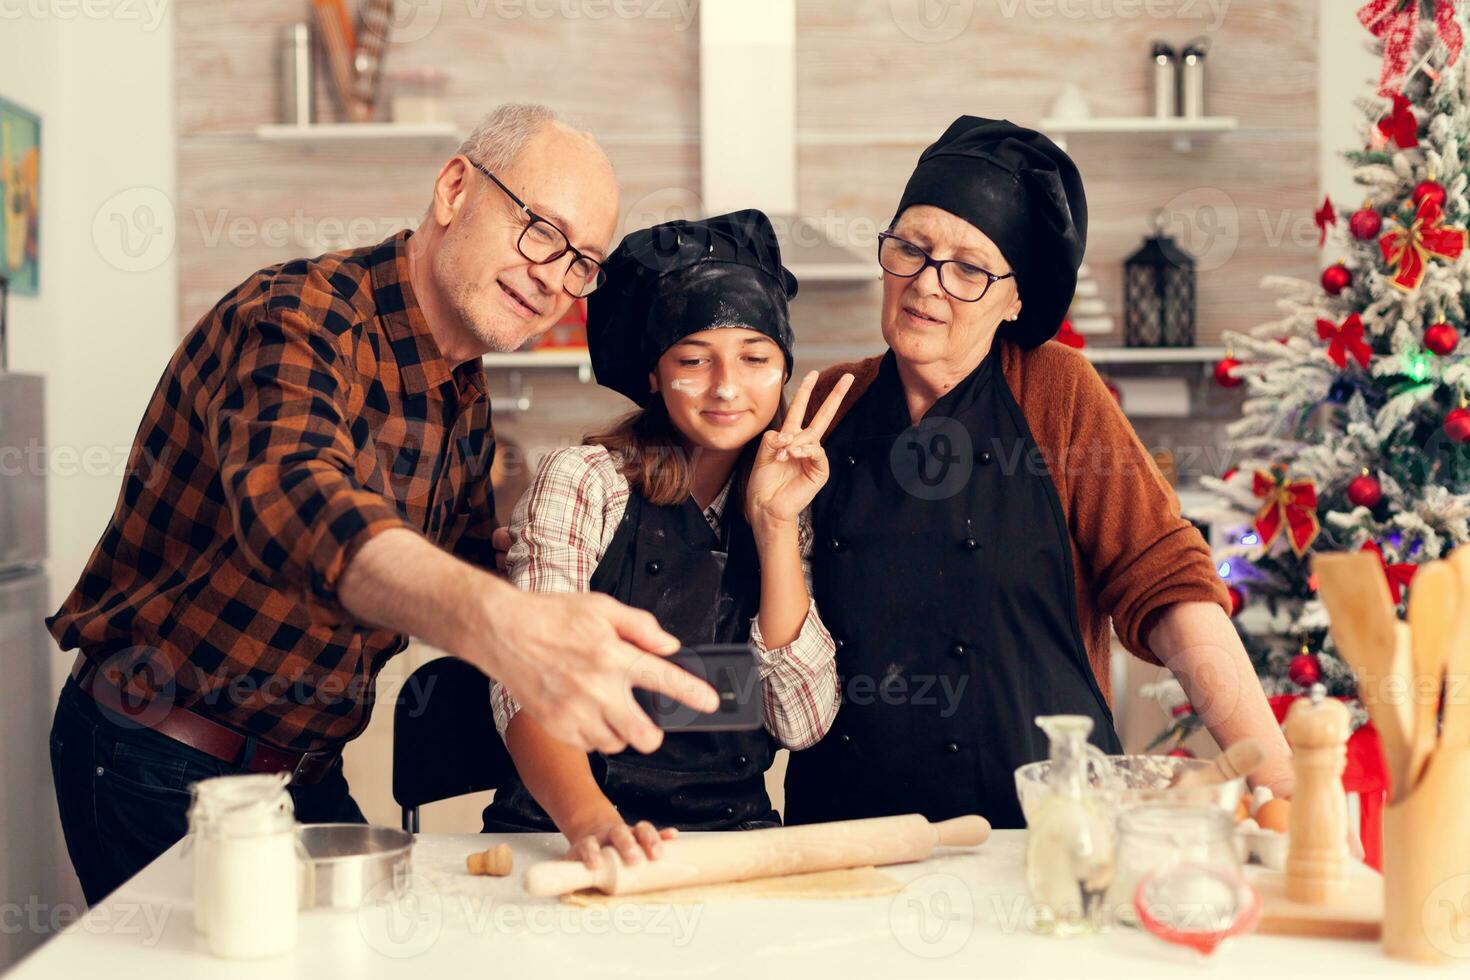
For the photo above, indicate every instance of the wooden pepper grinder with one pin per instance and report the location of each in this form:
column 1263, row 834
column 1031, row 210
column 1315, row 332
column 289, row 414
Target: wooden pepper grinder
column 1316, row 859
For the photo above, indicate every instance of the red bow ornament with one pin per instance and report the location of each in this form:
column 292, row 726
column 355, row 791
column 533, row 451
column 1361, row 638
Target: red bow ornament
column 1396, row 22
column 1346, row 339
column 1400, row 126
column 1324, row 216
column 1409, row 249
column 1399, row 575
column 1068, row 335
column 1292, row 506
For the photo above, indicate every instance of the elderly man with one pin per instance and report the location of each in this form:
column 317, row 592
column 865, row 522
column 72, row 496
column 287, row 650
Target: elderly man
column 320, row 493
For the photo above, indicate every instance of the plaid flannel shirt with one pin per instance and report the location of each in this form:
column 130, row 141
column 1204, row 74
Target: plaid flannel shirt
column 309, row 411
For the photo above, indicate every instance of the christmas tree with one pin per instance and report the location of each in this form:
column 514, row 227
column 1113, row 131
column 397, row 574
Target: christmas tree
column 1355, row 432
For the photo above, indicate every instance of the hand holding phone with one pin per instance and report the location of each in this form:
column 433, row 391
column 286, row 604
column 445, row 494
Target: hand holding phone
column 730, row 668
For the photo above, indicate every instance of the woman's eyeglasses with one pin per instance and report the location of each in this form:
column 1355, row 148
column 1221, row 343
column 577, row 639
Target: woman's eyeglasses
column 965, row 281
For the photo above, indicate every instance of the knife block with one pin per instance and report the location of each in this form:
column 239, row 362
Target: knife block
column 1426, row 865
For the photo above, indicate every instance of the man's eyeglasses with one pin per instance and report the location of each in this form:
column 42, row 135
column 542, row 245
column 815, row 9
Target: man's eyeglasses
column 965, row 281
column 542, row 242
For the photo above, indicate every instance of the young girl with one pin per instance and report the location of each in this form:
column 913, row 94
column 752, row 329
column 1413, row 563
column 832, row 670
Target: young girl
column 692, row 508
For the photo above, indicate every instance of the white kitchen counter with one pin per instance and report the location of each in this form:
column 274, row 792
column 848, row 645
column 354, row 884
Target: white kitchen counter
column 963, row 915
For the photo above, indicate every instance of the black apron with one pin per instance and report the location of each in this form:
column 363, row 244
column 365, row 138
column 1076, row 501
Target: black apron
column 943, row 568
column 702, row 589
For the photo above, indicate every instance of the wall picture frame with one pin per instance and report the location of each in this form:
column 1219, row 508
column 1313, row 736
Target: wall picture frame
column 20, row 197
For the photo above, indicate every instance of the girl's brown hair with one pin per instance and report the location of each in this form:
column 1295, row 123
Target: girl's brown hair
column 652, row 456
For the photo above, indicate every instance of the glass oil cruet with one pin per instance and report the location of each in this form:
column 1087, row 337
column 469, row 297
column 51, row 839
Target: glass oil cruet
column 1070, row 840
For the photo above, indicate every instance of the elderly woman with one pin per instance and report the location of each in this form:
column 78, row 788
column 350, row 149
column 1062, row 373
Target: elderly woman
column 990, row 512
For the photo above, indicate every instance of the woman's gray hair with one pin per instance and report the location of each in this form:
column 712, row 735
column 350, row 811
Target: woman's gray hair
column 504, row 132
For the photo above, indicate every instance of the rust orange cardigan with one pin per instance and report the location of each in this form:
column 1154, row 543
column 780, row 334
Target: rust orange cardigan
column 1133, row 553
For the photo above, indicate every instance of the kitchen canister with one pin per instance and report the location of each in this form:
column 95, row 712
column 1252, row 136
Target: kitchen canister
column 1192, row 78
column 246, row 869
column 297, row 96
column 1165, row 80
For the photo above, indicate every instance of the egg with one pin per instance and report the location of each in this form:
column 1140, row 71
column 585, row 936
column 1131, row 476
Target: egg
column 1274, row 815
column 1259, row 796
column 1242, row 809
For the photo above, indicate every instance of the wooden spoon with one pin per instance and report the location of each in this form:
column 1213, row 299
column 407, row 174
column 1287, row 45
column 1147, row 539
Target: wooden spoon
column 1437, row 621
column 1396, row 691
column 1456, row 730
column 1355, row 593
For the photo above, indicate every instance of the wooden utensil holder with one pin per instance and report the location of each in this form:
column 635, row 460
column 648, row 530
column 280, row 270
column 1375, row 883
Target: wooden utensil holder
column 1426, row 865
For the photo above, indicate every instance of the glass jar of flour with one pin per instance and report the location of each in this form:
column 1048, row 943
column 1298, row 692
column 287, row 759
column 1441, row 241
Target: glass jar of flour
column 246, row 871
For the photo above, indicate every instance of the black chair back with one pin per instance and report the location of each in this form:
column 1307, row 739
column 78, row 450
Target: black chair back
column 444, row 738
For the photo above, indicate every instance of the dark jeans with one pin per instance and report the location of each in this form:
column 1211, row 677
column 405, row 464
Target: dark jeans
column 123, row 792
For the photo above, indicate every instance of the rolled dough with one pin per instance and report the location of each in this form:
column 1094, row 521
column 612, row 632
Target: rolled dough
column 847, row 883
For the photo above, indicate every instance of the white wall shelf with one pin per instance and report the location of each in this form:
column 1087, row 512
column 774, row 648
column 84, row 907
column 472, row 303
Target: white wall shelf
column 836, row 354
column 553, row 358
column 1153, row 355
column 541, row 360
column 362, row 132
column 1181, row 128
column 576, row 358
column 1150, row 397
column 1142, row 124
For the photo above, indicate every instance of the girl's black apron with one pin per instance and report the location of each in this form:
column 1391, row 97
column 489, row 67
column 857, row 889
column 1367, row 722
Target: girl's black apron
column 943, row 569
column 702, row 589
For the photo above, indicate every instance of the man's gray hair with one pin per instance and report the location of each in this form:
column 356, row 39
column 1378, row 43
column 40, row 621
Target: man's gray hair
column 504, row 132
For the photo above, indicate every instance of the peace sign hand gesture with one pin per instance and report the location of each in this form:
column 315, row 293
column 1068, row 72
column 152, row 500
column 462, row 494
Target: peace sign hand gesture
column 791, row 466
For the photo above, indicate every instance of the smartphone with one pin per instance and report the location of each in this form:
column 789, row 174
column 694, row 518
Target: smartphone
column 730, row 668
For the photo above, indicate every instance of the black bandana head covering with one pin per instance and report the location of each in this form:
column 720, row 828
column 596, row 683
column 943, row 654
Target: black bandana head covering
column 1025, row 194
column 678, row 278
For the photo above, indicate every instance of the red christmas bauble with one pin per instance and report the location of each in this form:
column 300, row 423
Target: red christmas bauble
column 1180, row 753
column 1304, row 670
column 1365, row 491
column 1457, row 425
column 1237, row 600
column 1222, row 373
column 1431, row 190
column 1365, row 224
column 1441, row 338
column 1336, row 278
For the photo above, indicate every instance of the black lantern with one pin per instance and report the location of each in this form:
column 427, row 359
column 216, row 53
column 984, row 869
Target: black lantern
column 1158, row 294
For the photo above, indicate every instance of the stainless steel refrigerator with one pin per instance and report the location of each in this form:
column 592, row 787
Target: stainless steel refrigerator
column 28, row 842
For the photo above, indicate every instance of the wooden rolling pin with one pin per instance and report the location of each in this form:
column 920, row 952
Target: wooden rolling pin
column 763, row 854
